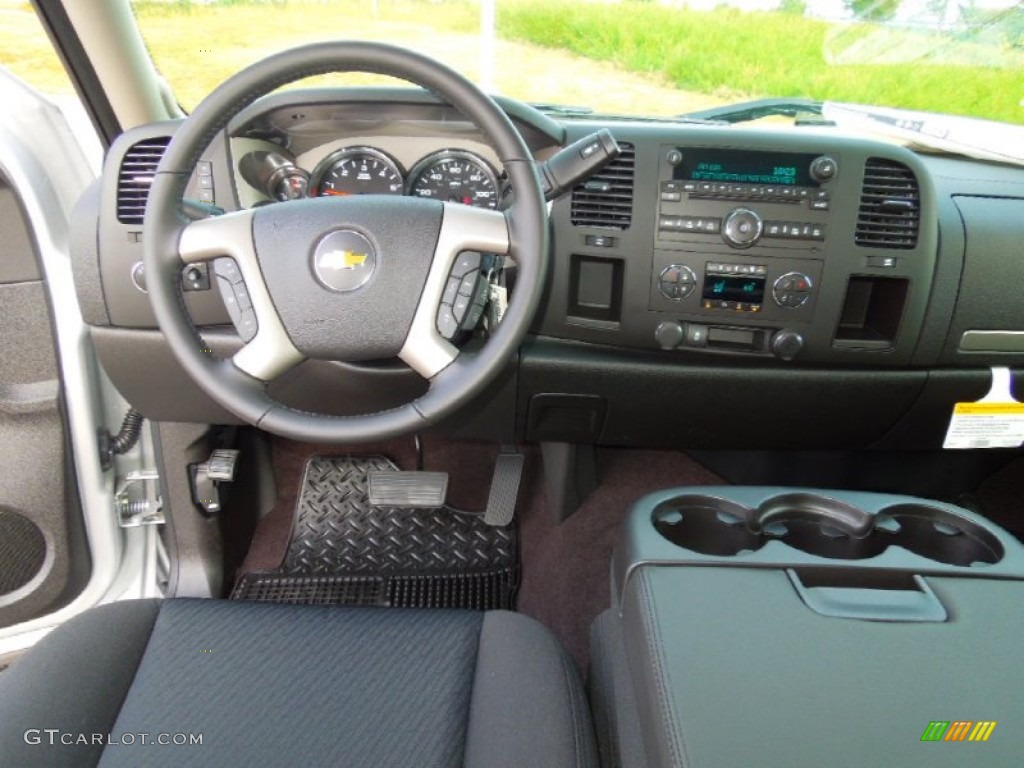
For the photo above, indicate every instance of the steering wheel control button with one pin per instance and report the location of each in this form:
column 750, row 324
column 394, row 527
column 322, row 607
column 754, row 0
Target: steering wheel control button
column 447, row 325
column 227, row 295
column 676, row 282
column 344, row 261
column 469, row 283
column 742, row 228
column 451, row 290
column 247, row 325
column 195, row 277
column 227, row 268
column 465, row 263
column 242, row 294
column 792, row 290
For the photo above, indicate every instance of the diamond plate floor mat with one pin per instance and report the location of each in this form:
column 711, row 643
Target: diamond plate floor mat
column 345, row 551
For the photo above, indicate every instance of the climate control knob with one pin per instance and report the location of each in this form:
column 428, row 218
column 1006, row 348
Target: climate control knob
column 787, row 344
column 676, row 282
column 669, row 334
column 742, row 227
column 792, row 290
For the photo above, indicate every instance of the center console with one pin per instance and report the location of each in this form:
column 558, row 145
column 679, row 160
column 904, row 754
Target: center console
column 792, row 627
column 792, row 246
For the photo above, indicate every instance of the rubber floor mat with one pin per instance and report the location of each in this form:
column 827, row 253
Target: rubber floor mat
column 345, row 551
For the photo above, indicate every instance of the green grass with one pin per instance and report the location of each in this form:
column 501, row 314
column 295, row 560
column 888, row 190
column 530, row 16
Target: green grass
column 666, row 59
column 237, row 34
column 738, row 55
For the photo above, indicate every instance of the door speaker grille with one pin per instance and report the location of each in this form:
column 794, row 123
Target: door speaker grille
column 22, row 551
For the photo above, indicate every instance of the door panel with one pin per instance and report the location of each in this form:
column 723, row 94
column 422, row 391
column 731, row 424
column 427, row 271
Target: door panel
column 43, row 558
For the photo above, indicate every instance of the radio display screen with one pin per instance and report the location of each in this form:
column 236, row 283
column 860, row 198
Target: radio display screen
column 740, row 166
column 745, row 289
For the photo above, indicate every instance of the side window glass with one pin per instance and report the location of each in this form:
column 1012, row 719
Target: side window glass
column 27, row 53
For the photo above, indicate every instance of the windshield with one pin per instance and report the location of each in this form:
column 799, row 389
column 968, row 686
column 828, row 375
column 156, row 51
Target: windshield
column 637, row 57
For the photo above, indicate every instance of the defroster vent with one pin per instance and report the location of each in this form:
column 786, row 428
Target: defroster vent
column 606, row 198
column 136, row 176
column 890, row 206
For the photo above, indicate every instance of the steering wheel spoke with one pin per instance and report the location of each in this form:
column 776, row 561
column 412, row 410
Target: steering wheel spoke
column 228, row 241
column 427, row 350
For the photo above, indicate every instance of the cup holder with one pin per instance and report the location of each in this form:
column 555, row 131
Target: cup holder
column 946, row 538
column 707, row 525
column 823, row 527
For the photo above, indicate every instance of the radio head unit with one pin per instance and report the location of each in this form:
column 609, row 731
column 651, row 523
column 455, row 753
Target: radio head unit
column 741, row 166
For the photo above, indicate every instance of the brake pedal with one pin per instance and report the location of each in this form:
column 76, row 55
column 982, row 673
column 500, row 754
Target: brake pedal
column 501, row 503
column 410, row 490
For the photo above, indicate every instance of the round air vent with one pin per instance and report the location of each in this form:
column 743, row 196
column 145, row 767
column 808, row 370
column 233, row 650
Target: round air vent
column 22, row 551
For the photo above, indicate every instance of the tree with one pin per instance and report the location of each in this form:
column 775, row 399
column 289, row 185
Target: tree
column 873, row 10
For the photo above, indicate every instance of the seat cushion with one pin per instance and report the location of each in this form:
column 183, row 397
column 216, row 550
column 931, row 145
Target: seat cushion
column 271, row 684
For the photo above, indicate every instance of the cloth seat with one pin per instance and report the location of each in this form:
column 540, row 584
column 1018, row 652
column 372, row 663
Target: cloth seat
column 283, row 685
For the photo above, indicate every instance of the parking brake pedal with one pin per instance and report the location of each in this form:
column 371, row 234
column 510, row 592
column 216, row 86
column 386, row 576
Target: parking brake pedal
column 501, row 503
column 206, row 477
column 409, row 490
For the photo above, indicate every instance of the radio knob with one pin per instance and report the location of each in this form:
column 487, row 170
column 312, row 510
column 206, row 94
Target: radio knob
column 824, row 168
column 742, row 227
column 669, row 334
column 786, row 344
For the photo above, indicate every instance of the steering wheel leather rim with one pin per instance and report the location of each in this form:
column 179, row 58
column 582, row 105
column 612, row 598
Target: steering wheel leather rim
column 165, row 221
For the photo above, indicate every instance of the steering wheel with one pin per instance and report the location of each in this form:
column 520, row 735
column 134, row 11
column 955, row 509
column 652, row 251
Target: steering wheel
column 338, row 278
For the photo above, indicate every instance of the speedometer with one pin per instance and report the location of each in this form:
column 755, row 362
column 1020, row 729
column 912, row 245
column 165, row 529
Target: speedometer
column 455, row 177
column 357, row 171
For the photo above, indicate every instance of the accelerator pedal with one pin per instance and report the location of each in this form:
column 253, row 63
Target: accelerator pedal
column 501, row 503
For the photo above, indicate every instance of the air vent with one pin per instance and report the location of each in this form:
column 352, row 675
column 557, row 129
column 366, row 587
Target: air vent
column 136, row 176
column 890, row 206
column 606, row 198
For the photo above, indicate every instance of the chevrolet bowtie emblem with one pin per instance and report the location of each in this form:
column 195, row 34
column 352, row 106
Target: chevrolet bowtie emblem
column 344, row 260
column 340, row 259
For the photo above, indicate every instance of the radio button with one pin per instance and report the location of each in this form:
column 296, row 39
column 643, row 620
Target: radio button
column 696, row 335
column 742, row 228
column 819, row 200
column 824, row 168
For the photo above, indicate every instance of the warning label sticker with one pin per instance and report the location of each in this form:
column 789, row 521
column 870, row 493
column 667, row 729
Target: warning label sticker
column 995, row 421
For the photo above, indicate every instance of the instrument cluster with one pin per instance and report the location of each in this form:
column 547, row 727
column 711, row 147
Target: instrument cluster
column 448, row 175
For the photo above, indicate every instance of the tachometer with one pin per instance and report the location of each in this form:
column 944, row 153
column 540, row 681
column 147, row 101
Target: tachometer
column 357, row 171
column 455, row 177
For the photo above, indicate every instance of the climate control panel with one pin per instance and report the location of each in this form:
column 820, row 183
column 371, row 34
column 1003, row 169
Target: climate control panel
column 685, row 283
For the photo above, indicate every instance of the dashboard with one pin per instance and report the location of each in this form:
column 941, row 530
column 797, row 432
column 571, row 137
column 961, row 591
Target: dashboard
column 714, row 286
